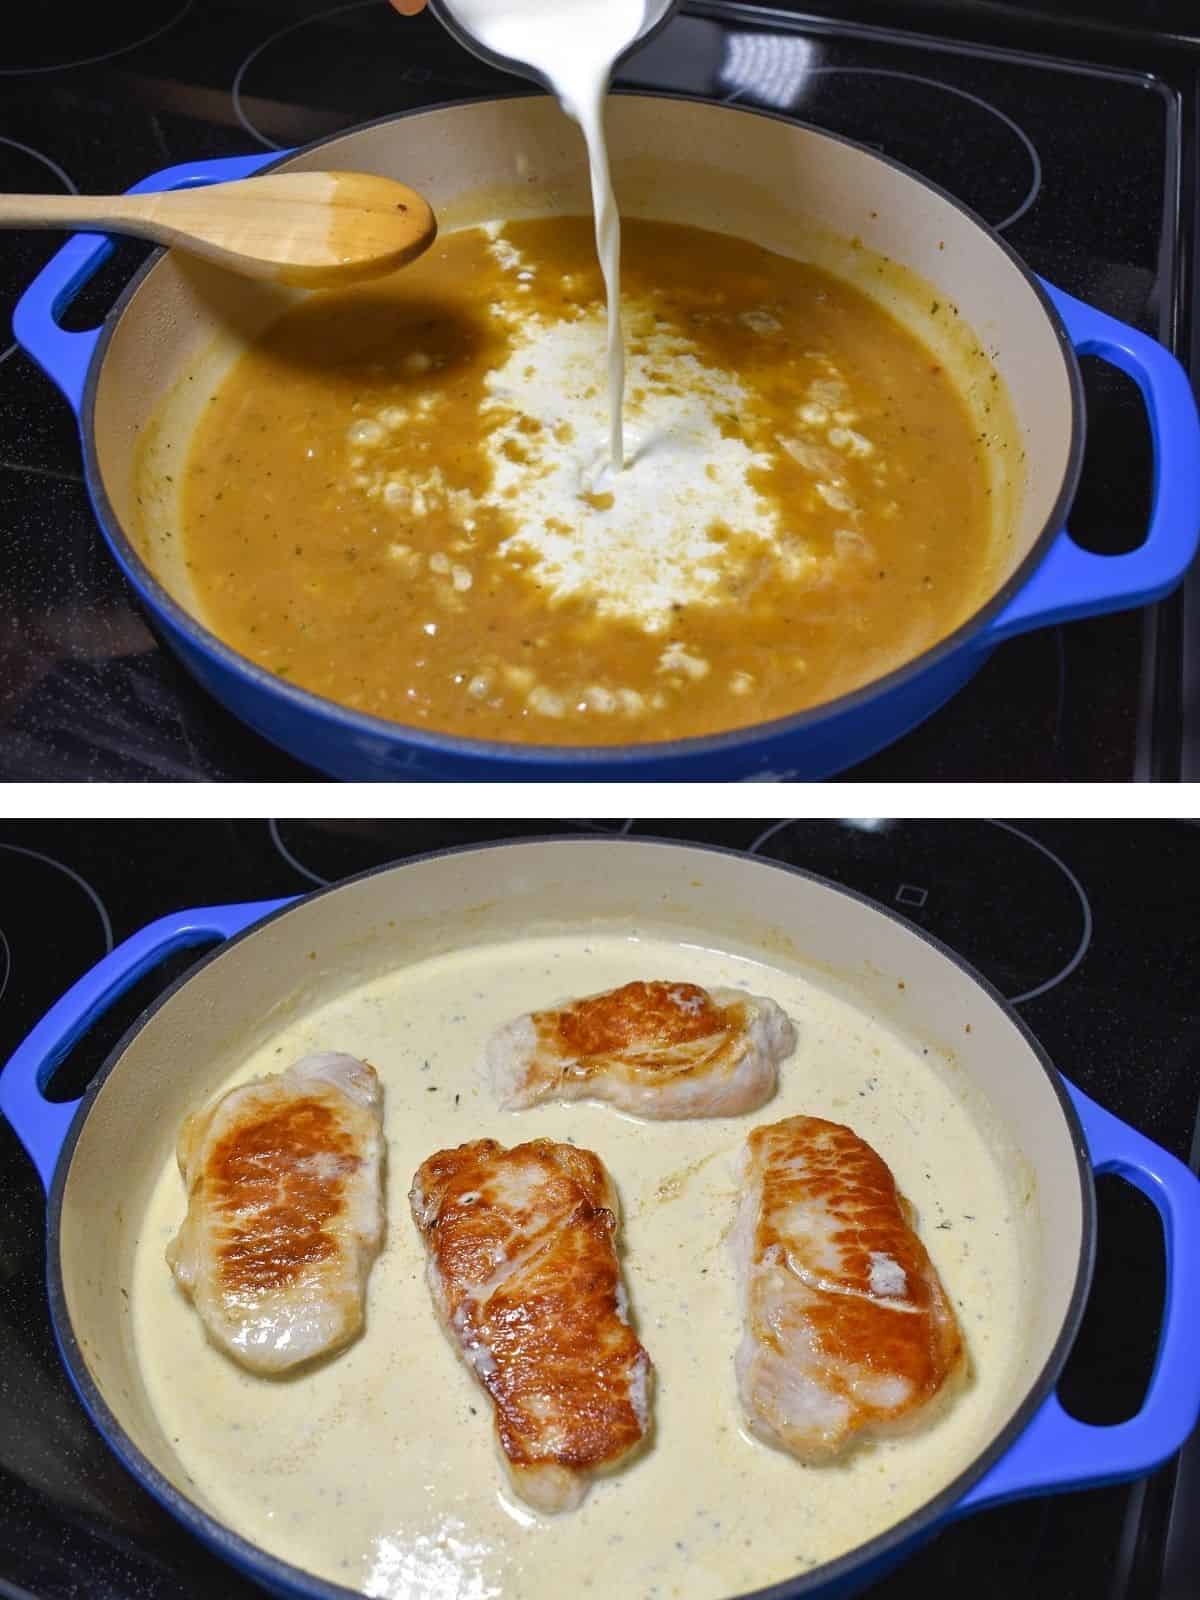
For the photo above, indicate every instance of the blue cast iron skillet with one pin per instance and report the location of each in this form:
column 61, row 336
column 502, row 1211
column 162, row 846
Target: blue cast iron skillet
column 1057, row 581
column 1039, row 1451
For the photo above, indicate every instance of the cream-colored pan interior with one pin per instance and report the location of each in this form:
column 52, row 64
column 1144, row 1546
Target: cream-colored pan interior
column 787, row 187
column 368, row 1430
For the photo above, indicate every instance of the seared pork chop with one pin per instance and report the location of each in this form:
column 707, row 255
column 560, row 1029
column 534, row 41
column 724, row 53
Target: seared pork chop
column 285, row 1211
column 848, row 1329
column 656, row 1049
column 525, row 1279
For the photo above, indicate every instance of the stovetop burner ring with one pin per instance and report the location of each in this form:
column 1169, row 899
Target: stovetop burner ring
column 296, row 865
column 862, row 869
column 61, row 866
column 107, row 55
column 63, row 177
column 1035, row 160
column 605, row 827
column 1085, row 907
column 265, row 44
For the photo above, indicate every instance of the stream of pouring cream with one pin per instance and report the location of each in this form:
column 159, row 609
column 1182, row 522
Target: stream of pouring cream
column 574, row 44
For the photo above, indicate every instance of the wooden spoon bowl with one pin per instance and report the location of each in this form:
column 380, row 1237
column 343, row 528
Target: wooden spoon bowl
column 310, row 229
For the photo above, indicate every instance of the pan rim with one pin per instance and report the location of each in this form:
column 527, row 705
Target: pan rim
column 281, row 1576
column 430, row 743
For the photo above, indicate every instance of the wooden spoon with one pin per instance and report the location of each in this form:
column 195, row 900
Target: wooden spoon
column 304, row 228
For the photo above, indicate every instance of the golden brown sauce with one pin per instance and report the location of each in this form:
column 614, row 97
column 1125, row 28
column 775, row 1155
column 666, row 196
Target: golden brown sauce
column 356, row 504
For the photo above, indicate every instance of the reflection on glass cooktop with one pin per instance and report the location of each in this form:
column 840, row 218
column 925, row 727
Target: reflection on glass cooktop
column 1089, row 927
column 1079, row 167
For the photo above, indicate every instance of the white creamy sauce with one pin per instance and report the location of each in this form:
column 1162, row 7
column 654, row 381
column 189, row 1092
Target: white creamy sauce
column 640, row 543
column 648, row 550
column 574, row 44
column 378, row 1470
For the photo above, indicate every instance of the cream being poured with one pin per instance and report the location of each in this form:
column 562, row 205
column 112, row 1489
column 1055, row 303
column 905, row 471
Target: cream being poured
column 574, row 45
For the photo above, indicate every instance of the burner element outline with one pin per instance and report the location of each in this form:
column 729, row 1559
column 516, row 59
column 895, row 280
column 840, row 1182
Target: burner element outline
column 297, row 866
column 61, row 866
column 1085, row 905
column 108, row 55
column 608, row 828
column 292, row 27
column 1035, row 160
column 64, row 178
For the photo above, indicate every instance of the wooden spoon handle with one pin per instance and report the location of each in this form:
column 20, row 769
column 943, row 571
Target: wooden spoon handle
column 107, row 213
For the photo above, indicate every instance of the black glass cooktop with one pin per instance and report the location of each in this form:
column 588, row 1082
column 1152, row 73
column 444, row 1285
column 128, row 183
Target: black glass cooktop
column 1089, row 928
column 1075, row 140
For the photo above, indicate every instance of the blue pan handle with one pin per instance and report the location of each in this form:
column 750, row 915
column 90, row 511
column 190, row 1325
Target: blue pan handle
column 41, row 1124
column 1071, row 582
column 1057, row 1452
column 64, row 356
